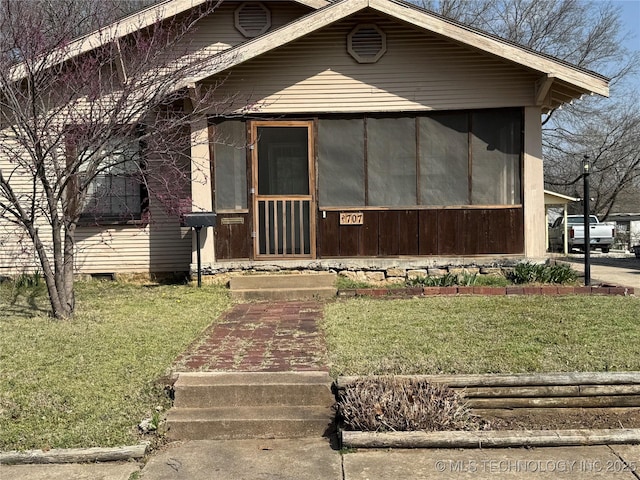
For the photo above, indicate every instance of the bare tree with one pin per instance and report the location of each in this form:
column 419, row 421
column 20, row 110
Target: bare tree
column 608, row 135
column 74, row 116
column 590, row 35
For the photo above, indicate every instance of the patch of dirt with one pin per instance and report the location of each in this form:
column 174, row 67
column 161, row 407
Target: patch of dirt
column 563, row 419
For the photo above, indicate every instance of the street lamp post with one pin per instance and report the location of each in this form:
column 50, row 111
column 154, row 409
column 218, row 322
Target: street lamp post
column 587, row 226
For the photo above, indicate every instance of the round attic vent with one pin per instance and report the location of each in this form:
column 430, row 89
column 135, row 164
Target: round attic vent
column 252, row 19
column 367, row 43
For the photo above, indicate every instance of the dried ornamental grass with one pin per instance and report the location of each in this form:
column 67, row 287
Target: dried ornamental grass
column 389, row 403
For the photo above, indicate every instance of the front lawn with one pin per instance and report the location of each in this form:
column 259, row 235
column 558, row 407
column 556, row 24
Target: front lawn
column 507, row 334
column 89, row 381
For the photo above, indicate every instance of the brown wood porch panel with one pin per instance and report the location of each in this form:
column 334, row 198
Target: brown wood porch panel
column 369, row 234
column 349, row 240
column 388, row 233
column 496, row 222
column 477, row 229
column 451, row 232
column 428, row 232
column 408, row 238
column 514, row 224
column 498, row 231
column 329, row 234
column 232, row 241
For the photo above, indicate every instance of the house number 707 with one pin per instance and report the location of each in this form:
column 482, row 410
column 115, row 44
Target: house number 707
column 351, row 218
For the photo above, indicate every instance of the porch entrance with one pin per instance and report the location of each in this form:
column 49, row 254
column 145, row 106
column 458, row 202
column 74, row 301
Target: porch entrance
column 283, row 185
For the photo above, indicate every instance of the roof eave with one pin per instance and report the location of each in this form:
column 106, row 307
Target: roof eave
column 587, row 82
column 129, row 24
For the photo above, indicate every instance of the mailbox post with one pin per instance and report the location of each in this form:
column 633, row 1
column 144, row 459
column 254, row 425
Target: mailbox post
column 197, row 220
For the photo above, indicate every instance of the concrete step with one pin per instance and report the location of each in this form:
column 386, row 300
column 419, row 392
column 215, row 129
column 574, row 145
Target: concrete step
column 276, row 281
column 226, row 423
column 284, row 294
column 283, row 287
column 229, row 389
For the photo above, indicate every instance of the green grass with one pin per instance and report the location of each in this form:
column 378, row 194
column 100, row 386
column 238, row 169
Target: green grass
column 483, row 335
column 89, row 381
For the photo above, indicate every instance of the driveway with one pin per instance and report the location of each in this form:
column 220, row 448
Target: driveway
column 619, row 269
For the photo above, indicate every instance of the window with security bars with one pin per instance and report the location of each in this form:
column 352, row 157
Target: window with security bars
column 116, row 193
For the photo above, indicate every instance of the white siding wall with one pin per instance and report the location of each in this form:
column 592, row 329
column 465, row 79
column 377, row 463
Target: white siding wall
column 418, row 72
column 160, row 246
column 217, row 32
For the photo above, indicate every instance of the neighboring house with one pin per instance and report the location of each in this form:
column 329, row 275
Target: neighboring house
column 627, row 229
column 626, row 214
column 557, row 200
column 368, row 129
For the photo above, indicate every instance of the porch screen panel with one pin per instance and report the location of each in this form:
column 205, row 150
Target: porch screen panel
column 391, row 161
column 444, row 159
column 341, row 163
column 283, row 167
column 230, row 166
column 495, row 150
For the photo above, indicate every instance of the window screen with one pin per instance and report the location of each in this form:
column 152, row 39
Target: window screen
column 341, row 163
column 391, row 161
column 444, row 159
column 495, row 149
column 283, row 161
column 230, row 166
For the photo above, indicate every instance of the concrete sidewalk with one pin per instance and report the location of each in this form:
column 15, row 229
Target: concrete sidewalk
column 315, row 459
column 70, row 471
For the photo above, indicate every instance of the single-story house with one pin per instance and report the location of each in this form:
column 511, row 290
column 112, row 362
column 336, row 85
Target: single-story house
column 627, row 229
column 367, row 130
column 557, row 200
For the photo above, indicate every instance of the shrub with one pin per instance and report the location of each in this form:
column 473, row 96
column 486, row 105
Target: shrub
column 447, row 280
column 466, row 279
column 562, row 273
column 28, row 280
column 527, row 272
column 390, row 403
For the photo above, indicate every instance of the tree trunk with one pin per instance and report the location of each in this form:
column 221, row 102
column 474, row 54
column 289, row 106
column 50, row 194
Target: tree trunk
column 67, row 274
column 61, row 308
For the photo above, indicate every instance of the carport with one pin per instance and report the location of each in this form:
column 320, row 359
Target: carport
column 554, row 199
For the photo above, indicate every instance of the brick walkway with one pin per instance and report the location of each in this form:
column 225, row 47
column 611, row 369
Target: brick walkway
column 255, row 337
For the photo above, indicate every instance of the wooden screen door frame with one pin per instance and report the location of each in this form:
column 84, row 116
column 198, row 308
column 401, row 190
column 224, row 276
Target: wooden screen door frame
column 299, row 199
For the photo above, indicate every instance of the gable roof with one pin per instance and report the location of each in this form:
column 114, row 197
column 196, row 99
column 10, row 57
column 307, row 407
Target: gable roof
column 132, row 23
column 559, row 81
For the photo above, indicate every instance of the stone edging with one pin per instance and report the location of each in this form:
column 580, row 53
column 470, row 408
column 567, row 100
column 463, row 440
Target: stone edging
column 74, row 455
column 462, row 290
column 489, row 439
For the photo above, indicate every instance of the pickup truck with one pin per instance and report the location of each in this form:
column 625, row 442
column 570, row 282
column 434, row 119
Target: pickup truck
column 601, row 234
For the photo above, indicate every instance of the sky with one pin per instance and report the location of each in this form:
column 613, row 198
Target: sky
column 631, row 18
column 630, row 10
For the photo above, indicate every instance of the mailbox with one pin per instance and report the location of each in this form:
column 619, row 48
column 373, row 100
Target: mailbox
column 199, row 219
